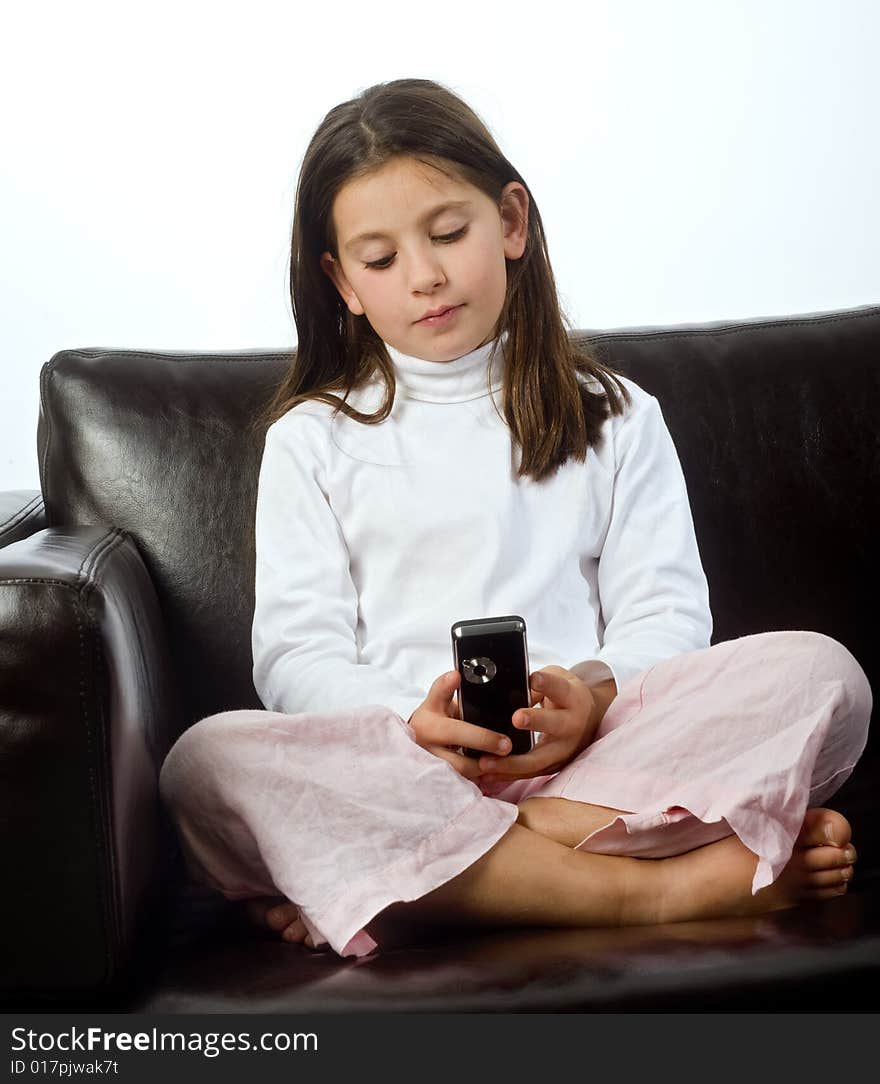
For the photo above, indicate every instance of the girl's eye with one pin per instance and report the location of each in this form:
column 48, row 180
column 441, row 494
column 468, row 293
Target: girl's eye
column 446, row 238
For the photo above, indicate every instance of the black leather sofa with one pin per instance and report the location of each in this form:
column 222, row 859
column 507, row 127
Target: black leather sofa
column 125, row 606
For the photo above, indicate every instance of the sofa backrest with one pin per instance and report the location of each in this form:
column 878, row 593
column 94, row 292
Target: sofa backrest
column 775, row 422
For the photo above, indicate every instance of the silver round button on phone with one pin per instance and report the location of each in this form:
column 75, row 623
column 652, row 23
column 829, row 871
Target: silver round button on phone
column 478, row 671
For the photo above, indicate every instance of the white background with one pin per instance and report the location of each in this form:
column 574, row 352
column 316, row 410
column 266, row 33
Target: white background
column 691, row 160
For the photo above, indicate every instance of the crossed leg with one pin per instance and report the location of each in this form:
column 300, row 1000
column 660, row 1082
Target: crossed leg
column 532, row 876
column 795, row 691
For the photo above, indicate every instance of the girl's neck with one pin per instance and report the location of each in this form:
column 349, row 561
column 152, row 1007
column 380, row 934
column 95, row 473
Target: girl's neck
column 449, row 381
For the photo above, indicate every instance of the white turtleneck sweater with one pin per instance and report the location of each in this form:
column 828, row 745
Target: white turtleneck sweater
column 372, row 540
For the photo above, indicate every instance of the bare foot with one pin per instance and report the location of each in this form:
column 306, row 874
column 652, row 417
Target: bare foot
column 715, row 881
column 711, row 881
column 821, row 864
column 280, row 916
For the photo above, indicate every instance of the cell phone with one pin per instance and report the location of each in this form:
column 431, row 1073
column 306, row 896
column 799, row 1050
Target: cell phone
column 491, row 654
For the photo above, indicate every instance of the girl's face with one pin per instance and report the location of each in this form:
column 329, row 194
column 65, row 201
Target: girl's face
column 421, row 255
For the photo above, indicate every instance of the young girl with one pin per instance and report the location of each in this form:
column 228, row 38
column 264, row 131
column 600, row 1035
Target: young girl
column 441, row 451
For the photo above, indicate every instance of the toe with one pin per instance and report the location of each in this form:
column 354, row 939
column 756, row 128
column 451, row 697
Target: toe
column 295, row 931
column 280, row 917
column 821, row 858
column 830, row 878
column 258, row 907
column 834, row 891
column 824, row 826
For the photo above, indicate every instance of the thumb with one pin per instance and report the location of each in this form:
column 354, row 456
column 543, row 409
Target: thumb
column 442, row 691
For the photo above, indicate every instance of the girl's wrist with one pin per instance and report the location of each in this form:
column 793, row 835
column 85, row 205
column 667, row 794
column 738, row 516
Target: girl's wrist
column 602, row 695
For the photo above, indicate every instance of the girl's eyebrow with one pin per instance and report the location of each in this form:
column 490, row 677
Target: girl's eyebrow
column 426, row 217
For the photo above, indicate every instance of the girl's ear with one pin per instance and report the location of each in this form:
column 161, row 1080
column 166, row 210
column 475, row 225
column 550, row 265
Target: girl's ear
column 334, row 272
column 514, row 210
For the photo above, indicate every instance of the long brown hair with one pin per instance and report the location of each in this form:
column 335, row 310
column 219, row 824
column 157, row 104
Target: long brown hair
column 551, row 414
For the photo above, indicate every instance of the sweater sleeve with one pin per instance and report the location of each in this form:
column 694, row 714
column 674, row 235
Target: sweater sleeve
column 652, row 588
column 304, row 633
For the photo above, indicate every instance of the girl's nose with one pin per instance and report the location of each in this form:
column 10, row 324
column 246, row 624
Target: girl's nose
column 425, row 272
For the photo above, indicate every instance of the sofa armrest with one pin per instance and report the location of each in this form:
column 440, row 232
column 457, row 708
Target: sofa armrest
column 87, row 702
column 21, row 514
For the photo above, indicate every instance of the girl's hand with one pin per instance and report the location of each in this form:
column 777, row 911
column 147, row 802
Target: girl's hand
column 567, row 721
column 439, row 729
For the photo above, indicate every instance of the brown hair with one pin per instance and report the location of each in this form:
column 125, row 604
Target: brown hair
column 551, row 414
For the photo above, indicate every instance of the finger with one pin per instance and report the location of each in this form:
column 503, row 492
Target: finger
column 466, row 766
column 439, row 729
column 546, row 720
column 468, row 735
column 512, row 777
column 555, row 685
column 482, row 740
column 542, row 760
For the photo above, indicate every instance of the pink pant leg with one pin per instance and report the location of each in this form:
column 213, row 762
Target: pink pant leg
column 342, row 813
column 743, row 736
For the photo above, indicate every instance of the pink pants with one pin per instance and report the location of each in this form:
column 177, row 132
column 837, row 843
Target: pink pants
column 343, row 813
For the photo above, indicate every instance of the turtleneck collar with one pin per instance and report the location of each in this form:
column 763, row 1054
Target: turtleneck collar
column 449, row 381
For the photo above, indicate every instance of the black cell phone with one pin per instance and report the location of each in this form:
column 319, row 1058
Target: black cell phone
column 492, row 657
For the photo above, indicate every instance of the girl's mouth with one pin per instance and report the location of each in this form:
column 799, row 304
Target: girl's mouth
column 443, row 318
